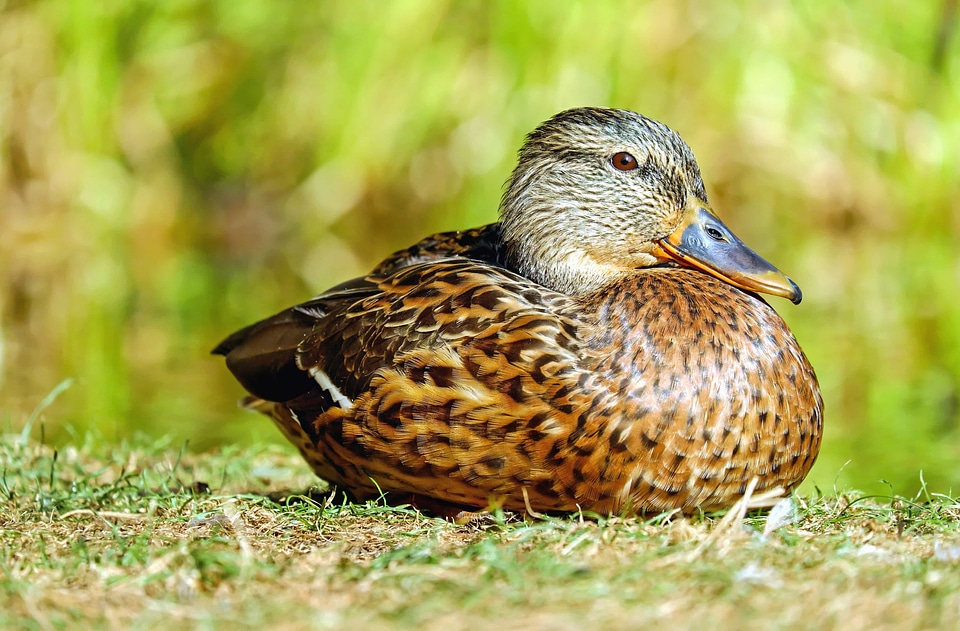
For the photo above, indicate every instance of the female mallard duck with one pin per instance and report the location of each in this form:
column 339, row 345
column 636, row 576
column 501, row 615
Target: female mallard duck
column 601, row 348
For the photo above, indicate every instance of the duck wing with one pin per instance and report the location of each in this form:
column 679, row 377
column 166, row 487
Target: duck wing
column 263, row 355
column 331, row 347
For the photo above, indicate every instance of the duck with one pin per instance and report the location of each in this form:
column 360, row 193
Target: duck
column 602, row 348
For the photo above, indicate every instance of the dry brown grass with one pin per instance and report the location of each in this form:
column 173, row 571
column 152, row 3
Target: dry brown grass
column 134, row 539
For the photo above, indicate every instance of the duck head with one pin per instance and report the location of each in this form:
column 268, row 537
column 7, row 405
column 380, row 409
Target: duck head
column 599, row 193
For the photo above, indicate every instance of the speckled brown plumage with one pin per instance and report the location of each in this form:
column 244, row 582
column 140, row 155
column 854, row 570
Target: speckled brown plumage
column 562, row 359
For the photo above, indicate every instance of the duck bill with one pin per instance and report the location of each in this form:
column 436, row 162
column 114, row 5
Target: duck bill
column 703, row 242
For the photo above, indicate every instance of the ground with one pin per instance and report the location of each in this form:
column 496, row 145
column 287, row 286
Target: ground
column 147, row 536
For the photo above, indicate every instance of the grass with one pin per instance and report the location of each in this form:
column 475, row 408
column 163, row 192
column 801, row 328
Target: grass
column 171, row 171
column 146, row 535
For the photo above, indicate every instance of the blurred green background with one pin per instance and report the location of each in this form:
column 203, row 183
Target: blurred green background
column 173, row 170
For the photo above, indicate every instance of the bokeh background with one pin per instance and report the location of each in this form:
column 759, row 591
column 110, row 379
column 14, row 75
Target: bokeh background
column 170, row 171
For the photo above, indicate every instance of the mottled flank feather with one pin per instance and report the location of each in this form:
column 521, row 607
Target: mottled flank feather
column 486, row 368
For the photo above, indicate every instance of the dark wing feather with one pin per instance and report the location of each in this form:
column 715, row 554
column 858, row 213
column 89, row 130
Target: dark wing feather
column 263, row 356
column 481, row 244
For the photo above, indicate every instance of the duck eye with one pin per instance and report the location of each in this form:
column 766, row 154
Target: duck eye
column 624, row 161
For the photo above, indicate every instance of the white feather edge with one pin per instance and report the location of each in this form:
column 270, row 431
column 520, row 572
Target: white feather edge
column 323, row 380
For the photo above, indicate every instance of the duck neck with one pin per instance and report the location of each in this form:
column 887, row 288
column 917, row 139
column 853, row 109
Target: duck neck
column 539, row 245
column 572, row 272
